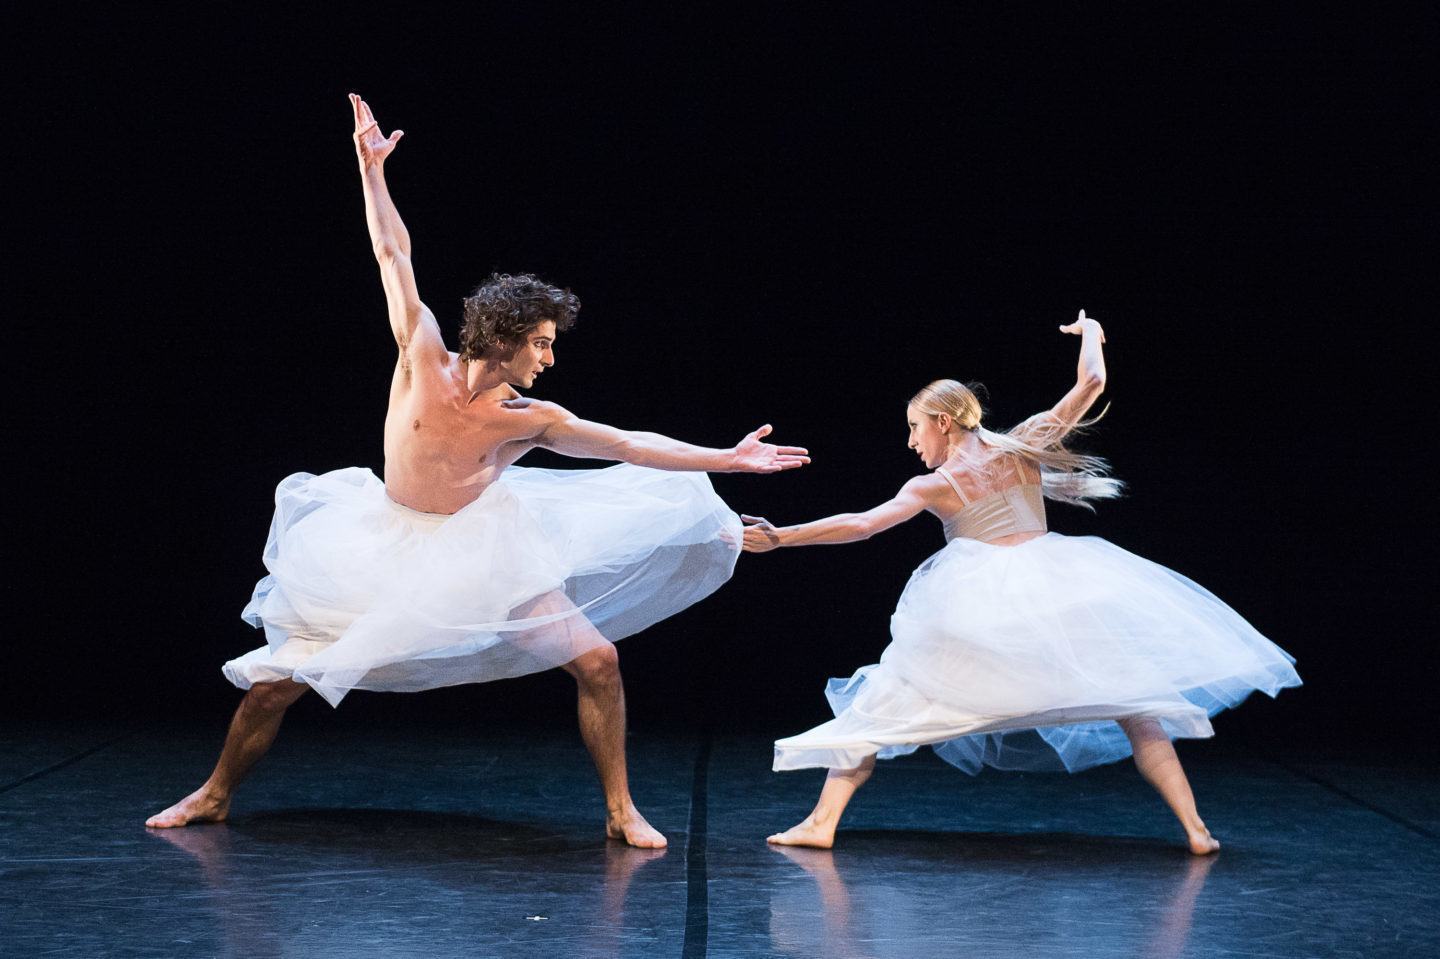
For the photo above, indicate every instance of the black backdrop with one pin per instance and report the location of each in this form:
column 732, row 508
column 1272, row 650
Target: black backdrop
column 794, row 214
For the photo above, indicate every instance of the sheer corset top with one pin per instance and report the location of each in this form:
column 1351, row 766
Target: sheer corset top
column 1015, row 509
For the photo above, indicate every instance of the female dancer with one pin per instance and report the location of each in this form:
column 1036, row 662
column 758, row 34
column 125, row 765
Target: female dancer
column 1016, row 647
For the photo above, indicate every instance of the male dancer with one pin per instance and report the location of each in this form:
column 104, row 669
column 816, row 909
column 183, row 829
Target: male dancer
column 454, row 424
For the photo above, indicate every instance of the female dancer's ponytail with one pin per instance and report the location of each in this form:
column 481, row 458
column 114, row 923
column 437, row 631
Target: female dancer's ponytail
column 1067, row 476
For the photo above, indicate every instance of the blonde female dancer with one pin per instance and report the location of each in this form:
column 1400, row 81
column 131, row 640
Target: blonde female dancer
column 1016, row 647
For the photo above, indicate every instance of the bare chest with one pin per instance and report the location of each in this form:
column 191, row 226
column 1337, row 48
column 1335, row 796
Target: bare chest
column 440, row 456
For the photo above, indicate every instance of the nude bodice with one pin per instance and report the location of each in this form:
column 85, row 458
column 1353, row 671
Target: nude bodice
column 1015, row 509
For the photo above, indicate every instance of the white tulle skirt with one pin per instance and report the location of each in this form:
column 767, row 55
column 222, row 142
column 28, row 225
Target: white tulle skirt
column 543, row 567
column 1023, row 657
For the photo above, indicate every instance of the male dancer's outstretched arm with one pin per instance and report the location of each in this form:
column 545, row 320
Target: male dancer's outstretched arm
column 553, row 427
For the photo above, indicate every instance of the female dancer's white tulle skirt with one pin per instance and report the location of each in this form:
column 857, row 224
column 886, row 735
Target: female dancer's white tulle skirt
column 543, row 567
column 1023, row 657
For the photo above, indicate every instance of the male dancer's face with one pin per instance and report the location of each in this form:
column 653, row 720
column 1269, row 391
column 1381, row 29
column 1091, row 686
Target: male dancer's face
column 532, row 356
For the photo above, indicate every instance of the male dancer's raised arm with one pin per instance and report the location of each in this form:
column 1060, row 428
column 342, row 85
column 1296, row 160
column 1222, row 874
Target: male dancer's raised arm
column 416, row 331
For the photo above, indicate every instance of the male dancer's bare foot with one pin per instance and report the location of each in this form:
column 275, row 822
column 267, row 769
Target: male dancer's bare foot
column 808, row 832
column 199, row 806
column 630, row 827
column 1201, row 842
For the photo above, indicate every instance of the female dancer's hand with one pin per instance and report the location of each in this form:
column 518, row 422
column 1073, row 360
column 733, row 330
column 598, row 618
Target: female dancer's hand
column 760, row 534
column 1081, row 322
column 371, row 148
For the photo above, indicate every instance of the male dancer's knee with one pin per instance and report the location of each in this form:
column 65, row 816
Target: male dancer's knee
column 274, row 697
column 598, row 668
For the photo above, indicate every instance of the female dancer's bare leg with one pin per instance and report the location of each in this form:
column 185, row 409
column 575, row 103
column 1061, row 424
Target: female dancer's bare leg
column 818, row 828
column 256, row 722
column 1155, row 758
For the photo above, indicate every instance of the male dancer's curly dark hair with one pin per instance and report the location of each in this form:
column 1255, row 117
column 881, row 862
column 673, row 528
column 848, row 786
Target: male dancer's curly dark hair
column 504, row 308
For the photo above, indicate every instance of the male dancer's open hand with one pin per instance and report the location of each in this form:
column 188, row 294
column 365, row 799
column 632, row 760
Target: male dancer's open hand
column 754, row 456
column 371, row 148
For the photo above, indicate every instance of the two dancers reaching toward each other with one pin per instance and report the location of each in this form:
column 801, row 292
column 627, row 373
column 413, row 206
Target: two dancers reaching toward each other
column 461, row 567
column 1017, row 647
column 1012, row 646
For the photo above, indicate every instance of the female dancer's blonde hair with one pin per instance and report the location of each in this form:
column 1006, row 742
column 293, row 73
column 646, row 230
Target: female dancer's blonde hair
column 1067, row 476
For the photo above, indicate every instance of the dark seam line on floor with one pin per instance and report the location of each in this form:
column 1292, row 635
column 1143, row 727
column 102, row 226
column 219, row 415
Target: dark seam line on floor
column 697, row 878
column 1340, row 791
column 60, row 765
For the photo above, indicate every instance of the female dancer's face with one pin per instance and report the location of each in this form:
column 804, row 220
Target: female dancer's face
column 926, row 438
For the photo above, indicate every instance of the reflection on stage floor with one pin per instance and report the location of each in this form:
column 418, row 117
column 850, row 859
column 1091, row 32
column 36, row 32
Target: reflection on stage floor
column 354, row 841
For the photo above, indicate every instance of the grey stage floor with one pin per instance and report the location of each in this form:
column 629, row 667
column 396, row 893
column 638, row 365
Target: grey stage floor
column 357, row 841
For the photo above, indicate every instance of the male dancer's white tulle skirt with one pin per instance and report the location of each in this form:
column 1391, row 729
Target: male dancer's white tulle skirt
column 543, row 567
column 1023, row 657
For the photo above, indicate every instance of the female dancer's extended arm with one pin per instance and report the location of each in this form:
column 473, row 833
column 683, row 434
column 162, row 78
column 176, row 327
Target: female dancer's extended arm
column 761, row 536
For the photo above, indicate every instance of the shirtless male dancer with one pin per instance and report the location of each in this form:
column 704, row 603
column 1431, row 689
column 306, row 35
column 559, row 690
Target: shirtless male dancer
column 453, row 426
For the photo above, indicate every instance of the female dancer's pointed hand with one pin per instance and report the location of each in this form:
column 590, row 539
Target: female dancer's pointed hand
column 761, row 536
column 753, row 456
column 1081, row 322
column 371, row 148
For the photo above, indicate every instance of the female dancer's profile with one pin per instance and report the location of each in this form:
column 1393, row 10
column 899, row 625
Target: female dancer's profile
column 1017, row 647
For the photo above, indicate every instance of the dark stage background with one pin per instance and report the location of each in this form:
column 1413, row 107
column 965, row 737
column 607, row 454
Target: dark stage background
column 793, row 214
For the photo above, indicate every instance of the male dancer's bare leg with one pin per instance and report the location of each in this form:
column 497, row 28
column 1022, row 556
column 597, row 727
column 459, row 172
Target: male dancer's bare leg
column 1155, row 758
column 602, row 725
column 601, row 706
column 818, row 828
column 252, row 730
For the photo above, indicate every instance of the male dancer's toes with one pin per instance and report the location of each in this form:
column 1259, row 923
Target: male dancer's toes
column 1201, row 842
column 810, row 831
column 200, row 806
column 631, row 828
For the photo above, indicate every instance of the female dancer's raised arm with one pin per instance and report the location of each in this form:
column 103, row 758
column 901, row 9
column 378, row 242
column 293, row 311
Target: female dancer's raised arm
column 1052, row 425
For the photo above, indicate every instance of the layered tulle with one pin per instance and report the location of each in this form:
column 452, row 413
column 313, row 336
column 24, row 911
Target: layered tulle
column 544, row 566
column 1023, row 657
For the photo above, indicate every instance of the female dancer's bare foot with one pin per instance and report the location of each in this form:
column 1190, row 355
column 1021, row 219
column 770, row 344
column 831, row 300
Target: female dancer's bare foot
column 1201, row 842
column 199, row 806
column 630, row 827
column 808, row 832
